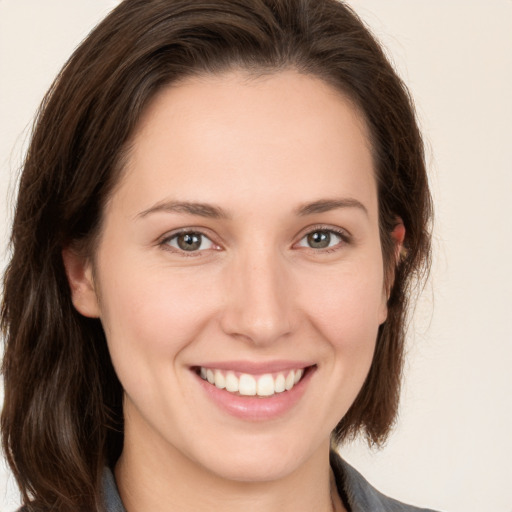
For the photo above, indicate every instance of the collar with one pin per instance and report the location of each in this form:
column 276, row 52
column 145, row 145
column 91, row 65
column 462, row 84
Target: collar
column 356, row 493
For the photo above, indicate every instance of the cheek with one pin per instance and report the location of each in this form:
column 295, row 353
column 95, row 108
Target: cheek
column 344, row 310
column 151, row 315
column 347, row 305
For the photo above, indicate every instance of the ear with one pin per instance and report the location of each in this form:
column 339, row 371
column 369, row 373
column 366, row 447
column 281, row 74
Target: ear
column 398, row 236
column 80, row 278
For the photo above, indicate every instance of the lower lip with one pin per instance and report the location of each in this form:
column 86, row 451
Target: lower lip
column 255, row 408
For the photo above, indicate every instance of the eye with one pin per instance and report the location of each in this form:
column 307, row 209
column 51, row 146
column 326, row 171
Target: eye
column 189, row 241
column 321, row 239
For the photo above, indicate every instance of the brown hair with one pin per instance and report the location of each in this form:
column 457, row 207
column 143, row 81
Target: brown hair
column 62, row 415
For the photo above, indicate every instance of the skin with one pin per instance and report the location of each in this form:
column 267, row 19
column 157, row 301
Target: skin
column 261, row 149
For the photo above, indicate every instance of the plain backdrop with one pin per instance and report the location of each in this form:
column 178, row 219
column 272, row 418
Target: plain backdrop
column 452, row 447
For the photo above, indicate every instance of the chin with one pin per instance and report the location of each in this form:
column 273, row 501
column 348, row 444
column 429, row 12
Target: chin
column 258, row 468
column 259, row 460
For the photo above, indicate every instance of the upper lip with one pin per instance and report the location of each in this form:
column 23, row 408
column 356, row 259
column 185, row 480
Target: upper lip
column 256, row 368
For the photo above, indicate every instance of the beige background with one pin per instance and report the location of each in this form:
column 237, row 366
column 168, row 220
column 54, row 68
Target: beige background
column 452, row 448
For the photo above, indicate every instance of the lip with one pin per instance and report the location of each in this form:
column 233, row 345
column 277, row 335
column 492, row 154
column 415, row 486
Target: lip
column 254, row 408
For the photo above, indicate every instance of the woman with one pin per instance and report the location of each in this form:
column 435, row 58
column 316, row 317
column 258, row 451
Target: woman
column 221, row 212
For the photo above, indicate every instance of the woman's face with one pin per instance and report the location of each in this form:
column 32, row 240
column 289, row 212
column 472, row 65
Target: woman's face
column 241, row 249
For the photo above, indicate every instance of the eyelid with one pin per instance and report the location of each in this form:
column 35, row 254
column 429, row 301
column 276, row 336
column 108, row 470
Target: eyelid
column 343, row 232
column 345, row 236
column 163, row 241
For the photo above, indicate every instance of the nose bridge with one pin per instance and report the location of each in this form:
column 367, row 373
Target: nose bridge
column 259, row 297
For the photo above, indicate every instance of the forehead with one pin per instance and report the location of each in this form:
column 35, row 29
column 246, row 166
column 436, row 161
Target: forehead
column 240, row 133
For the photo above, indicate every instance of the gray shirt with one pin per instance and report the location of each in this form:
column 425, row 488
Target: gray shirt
column 356, row 493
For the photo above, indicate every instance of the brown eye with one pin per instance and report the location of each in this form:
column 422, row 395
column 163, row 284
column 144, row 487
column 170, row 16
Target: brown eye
column 321, row 239
column 190, row 242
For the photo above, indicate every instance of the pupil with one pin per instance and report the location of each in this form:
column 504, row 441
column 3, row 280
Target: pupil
column 319, row 239
column 189, row 241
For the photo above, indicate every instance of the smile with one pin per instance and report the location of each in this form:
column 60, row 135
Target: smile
column 245, row 384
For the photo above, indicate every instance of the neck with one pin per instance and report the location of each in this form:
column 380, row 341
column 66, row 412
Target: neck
column 171, row 481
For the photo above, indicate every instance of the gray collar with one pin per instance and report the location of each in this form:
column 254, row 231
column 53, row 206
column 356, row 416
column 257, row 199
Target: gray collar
column 357, row 494
column 111, row 496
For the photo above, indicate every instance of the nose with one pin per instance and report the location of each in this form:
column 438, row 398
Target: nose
column 259, row 304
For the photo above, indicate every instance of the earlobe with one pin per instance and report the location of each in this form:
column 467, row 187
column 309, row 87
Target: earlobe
column 81, row 283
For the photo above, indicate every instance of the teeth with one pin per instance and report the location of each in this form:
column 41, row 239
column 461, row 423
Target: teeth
column 232, row 383
column 220, row 381
column 266, row 386
column 290, row 381
column 280, row 383
column 249, row 385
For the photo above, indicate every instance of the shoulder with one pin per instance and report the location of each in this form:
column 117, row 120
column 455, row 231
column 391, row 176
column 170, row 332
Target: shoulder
column 360, row 495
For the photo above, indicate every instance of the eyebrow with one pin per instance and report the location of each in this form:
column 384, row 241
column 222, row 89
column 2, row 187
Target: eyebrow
column 191, row 208
column 326, row 205
column 214, row 212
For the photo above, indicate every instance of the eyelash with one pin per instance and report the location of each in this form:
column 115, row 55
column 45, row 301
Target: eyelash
column 345, row 238
column 165, row 242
